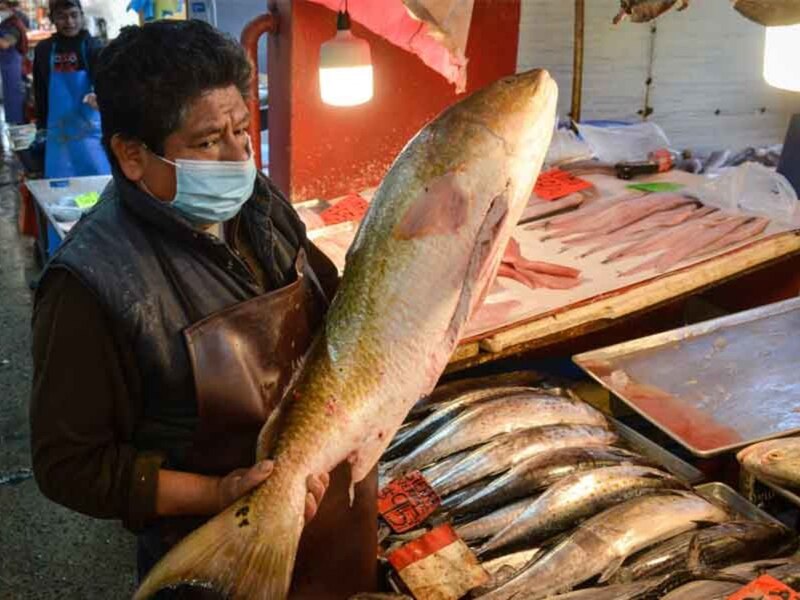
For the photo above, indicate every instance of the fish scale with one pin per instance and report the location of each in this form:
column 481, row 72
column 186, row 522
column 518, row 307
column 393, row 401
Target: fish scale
column 424, row 256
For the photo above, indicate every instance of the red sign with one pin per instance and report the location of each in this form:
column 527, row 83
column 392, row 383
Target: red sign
column 350, row 208
column 765, row 588
column 555, row 184
column 406, row 502
column 422, row 547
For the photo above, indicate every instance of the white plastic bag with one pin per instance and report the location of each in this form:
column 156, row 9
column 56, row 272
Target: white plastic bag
column 623, row 143
column 752, row 188
column 567, row 147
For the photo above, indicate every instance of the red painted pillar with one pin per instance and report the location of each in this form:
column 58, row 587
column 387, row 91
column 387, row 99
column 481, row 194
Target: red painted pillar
column 320, row 151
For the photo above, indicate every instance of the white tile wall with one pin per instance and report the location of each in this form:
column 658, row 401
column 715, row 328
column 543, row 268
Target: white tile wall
column 707, row 90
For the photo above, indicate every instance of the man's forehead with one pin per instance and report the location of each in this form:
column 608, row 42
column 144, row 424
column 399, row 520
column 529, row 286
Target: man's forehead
column 216, row 106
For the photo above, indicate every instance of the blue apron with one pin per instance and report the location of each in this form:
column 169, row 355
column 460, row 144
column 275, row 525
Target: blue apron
column 74, row 147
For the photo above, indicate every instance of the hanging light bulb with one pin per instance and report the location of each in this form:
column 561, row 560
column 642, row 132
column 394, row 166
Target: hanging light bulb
column 781, row 67
column 345, row 67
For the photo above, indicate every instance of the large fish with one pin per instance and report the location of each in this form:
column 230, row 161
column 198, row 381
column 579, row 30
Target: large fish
column 599, row 545
column 578, row 497
column 777, row 461
column 496, row 417
column 543, row 470
column 488, row 525
column 717, row 546
column 423, row 260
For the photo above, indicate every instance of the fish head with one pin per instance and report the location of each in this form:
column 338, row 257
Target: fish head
column 776, row 460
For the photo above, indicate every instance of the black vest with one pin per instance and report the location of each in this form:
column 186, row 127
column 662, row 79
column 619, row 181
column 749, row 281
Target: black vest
column 154, row 274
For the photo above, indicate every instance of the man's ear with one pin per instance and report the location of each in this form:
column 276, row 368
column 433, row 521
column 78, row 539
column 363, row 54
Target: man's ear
column 131, row 155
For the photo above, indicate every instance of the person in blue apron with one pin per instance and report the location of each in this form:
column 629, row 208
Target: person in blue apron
column 66, row 108
column 13, row 47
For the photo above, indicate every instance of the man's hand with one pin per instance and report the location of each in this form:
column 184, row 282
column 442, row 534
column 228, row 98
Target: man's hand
column 241, row 481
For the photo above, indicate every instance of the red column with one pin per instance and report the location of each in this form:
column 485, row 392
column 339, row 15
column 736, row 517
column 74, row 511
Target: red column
column 320, row 151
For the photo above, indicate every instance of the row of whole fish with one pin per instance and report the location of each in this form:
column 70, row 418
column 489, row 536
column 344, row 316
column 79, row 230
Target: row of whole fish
column 527, row 470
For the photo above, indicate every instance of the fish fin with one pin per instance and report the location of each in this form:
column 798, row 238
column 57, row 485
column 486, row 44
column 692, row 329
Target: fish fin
column 611, row 569
column 241, row 553
column 441, row 208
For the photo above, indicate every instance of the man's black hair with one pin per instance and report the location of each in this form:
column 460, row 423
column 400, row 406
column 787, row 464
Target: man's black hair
column 148, row 76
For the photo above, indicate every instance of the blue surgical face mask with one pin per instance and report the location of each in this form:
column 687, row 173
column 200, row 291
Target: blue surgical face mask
column 210, row 191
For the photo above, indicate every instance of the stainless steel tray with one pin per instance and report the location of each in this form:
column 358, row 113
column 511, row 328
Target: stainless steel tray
column 649, row 449
column 747, row 479
column 715, row 386
column 725, row 496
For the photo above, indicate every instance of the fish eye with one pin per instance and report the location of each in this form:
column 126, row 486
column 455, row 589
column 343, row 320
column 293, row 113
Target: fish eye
column 775, row 455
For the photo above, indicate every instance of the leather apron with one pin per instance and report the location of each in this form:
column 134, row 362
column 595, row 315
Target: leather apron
column 243, row 359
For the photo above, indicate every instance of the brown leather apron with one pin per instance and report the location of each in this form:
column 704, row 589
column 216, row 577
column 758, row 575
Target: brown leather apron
column 243, row 358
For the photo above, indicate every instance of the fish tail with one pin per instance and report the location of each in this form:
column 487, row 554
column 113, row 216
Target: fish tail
column 240, row 552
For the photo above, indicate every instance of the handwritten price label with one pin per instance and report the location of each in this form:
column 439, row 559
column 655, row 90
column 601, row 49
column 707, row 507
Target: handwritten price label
column 555, row 184
column 765, row 588
column 406, row 502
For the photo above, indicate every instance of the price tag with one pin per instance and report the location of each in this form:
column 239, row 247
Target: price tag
column 438, row 566
column 555, row 184
column 406, row 502
column 350, row 208
column 765, row 588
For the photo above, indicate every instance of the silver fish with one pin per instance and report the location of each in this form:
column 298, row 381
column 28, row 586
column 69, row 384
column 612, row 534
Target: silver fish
column 777, row 461
column 717, row 546
column 578, row 497
column 490, row 524
column 732, row 579
column 542, row 471
column 509, row 450
column 443, row 413
column 599, row 545
column 493, row 418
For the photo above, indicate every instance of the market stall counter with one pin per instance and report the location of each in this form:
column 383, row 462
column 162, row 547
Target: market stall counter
column 59, row 203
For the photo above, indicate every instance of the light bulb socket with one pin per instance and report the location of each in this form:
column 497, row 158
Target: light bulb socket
column 342, row 20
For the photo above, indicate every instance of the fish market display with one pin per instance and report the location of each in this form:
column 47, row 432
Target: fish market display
column 777, row 461
column 425, row 255
column 536, row 274
column 598, row 546
column 558, row 509
column 642, row 11
column 578, row 497
column 496, row 417
column 718, row 546
column 543, row 470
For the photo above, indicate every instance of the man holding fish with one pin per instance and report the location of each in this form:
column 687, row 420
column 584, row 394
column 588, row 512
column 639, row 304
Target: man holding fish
column 218, row 338
column 166, row 328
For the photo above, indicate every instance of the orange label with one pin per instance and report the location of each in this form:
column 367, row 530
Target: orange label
column 765, row 588
column 423, row 546
column 406, row 502
column 555, row 184
column 350, row 208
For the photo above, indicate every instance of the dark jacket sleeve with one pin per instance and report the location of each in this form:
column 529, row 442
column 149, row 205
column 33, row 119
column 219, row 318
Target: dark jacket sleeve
column 41, row 81
column 84, row 407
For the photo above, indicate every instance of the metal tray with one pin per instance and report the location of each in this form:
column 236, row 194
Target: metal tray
column 649, row 449
column 747, row 478
column 725, row 496
column 715, row 386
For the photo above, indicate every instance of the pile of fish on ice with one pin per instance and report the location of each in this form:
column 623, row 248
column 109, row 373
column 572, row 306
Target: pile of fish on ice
column 533, row 481
column 663, row 228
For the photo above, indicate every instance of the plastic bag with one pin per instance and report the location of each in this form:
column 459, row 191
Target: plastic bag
column 625, row 142
column 567, row 147
column 752, row 188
